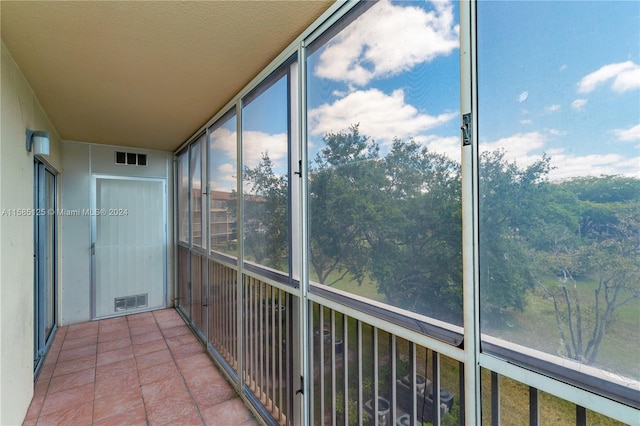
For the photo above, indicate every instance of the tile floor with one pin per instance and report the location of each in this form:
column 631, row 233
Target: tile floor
column 143, row 369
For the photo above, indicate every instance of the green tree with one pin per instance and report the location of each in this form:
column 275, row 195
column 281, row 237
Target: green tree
column 604, row 189
column 612, row 262
column 266, row 210
column 416, row 249
column 395, row 219
column 602, row 199
column 510, row 197
column 344, row 182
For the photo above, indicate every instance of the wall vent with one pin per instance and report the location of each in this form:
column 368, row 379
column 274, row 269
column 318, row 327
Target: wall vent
column 130, row 302
column 131, row 158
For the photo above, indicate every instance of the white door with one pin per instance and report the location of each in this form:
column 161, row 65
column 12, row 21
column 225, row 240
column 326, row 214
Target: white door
column 129, row 246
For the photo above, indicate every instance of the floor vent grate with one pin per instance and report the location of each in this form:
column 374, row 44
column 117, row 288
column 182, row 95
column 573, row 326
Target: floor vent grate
column 130, row 302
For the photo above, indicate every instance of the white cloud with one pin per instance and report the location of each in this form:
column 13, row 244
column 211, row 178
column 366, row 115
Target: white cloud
column 579, row 103
column 526, row 122
column 563, row 67
column 552, row 108
column 257, row 143
column 625, row 76
column 627, row 81
column 227, row 172
column 224, row 140
column 224, row 179
column 526, row 148
column 519, row 147
column 567, row 166
column 381, row 116
column 449, row 145
column 223, row 143
column 630, row 134
column 372, row 47
column 227, row 168
column 556, row 132
column 522, row 97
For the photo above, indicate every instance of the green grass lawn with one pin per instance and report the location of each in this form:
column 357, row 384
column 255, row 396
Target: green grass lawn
column 536, row 327
column 514, row 406
column 368, row 288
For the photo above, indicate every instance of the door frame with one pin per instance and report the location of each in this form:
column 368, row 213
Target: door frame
column 93, row 234
column 42, row 212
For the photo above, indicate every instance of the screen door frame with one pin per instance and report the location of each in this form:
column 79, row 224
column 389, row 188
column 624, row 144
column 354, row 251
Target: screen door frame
column 93, row 236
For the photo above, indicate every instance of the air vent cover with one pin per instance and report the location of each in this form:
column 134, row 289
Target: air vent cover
column 131, row 158
column 130, row 302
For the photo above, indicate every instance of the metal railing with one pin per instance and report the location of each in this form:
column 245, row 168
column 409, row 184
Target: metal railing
column 362, row 371
column 267, row 340
column 363, row 375
column 223, row 312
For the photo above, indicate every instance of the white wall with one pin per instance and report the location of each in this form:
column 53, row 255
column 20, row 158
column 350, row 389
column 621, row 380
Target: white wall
column 75, row 287
column 19, row 110
column 80, row 162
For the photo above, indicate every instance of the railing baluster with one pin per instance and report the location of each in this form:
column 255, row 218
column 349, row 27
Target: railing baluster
column 261, row 326
column 281, row 313
column 214, row 302
column 534, row 407
column 229, row 313
column 412, row 385
column 249, row 326
column 359, row 338
column 312, row 361
column 393, row 351
column 495, row 399
column 581, row 416
column 218, row 327
column 255, row 336
column 461, row 387
column 226, row 314
column 376, row 391
column 345, row 357
column 234, row 324
column 321, row 360
column 333, row 366
column 272, row 340
column 288, row 344
column 435, row 386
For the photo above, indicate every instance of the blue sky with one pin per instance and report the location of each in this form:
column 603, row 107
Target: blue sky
column 555, row 77
column 395, row 72
column 562, row 77
column 223, row 156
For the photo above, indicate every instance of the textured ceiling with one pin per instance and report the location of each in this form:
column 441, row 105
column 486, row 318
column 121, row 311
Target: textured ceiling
column 145, row 74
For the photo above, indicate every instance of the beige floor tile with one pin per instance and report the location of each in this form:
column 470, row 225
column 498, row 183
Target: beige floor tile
column 144, row 369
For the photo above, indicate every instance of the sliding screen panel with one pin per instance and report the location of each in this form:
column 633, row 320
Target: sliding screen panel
column 265, row 150
column 223, row 175
column 559, row 176
column 198, row 171
column 183, row 197
column 384, row 158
